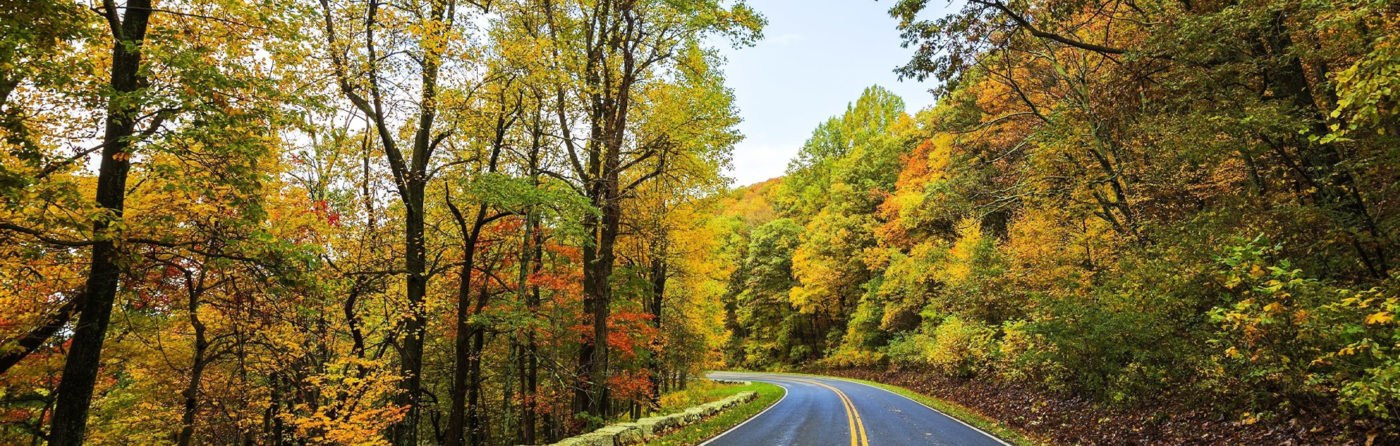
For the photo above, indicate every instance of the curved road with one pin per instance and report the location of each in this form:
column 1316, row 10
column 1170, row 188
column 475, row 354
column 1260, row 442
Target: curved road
column 818, row 411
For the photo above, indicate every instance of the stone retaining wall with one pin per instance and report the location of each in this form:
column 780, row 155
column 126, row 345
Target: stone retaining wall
column 649, row 428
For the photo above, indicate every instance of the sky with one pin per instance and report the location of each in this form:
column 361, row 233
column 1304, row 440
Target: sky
column 816, row 57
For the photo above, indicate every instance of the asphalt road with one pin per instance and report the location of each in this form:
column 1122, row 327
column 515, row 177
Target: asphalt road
column 832, row 412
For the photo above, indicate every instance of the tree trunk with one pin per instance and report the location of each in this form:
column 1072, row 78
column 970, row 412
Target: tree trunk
column 532, row 360
column 658, row 293
column 610, row 71
column 191, row 394
column 475, row 424
column 464, row 417
column 95, row 312
column 405, row 432
column 534, row 261
column 415, row 255
column 462, row 342
column 1334, row 187
column 463, row 420
column 521, row 348
column 30, row 341
column 598, row 267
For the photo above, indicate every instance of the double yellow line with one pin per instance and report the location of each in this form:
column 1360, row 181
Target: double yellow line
column 852, row 416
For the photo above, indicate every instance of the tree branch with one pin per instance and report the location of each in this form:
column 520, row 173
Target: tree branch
column 32, row 340
column 1025, row 24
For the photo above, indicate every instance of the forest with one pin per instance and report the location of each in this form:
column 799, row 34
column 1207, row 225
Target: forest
column 355, row 222
column 497, row 222
column 1148, row 204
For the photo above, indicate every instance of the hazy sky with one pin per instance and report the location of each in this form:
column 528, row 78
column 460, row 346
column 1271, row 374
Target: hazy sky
column 816, row 56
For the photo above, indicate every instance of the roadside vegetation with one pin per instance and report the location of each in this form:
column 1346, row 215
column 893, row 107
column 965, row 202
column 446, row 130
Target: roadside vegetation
column 695, row 393
column 697, row 433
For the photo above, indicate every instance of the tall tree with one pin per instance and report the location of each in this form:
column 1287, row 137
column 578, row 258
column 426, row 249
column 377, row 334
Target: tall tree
column 128, row 32
column 464, row 423
column 364, row 77
column 609, row 50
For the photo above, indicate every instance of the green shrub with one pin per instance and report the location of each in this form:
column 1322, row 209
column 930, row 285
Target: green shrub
column 1138, row 332
column 852, row 357
column 960, row 347
column 1014, row 362
column 909, row 349
column 1289, row 338
column 863, row 332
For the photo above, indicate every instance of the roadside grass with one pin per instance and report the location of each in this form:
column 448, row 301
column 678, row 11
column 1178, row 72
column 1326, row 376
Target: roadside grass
column 949, row 408
column 696, row 392
column 701, row 431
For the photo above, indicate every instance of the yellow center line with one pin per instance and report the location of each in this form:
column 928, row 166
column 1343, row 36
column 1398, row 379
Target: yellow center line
column 853, row 420
column 859, row 424
column 850, row 420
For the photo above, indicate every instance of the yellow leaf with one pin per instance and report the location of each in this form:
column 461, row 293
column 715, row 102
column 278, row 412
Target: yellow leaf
column 1379, row 318
column 1256, row 272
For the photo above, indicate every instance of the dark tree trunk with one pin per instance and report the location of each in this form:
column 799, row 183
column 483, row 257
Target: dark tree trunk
column 613, row 37
column 522, row 347
column 658, row 293
column 410, row 179
column 191, row 393
column 464, row 420
column 200, row 361
column 1334, row 187
column 95, row 310
column 534, row 261
column 532, row 359
column 411, row 358
column 476, row 428
column 415, row 255
column 467, row 342
column 30, row 342
column 598, row 259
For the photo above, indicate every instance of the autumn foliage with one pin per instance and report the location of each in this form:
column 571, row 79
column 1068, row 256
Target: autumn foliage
column 346, row 222
column 1170, row 205
column 505, row 222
